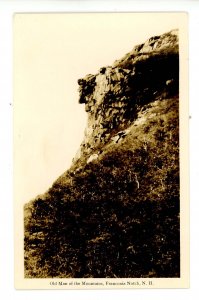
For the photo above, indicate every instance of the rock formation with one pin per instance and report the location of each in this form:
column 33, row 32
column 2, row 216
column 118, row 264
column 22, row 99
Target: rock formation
column 115, row 212
column 115, row 94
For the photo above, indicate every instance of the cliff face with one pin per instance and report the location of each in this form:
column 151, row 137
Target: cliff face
column 115, row 212
column 116, row 93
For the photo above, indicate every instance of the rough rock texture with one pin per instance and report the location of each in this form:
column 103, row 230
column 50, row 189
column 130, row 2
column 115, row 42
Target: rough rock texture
column 115, row 212
column 115, row 94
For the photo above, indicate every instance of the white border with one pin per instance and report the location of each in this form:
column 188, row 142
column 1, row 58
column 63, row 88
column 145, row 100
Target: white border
column 7, row 8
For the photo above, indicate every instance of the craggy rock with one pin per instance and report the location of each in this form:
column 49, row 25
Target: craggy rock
column 116, row 93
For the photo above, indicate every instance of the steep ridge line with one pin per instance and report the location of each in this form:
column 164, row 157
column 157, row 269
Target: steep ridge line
column 115, row 212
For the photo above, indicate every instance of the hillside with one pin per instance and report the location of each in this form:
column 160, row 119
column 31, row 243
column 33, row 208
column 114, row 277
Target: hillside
column 115, row 212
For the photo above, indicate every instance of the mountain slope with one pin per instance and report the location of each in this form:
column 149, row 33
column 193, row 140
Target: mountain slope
column 115, row 212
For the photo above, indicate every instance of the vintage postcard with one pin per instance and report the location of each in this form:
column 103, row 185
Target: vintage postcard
column 101, row 190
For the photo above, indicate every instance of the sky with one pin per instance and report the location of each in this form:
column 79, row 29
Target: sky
column 51, row 52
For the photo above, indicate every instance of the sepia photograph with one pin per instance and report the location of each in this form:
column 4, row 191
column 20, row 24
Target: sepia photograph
column 100, row 150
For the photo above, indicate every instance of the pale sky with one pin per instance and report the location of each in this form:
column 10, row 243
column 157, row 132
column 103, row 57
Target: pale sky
column 51, row 52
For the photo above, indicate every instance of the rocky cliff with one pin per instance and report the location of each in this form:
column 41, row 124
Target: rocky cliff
column 115, row 212
column 116, row 93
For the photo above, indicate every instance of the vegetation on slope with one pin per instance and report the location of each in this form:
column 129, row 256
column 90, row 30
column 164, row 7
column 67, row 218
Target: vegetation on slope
column 117, row 216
